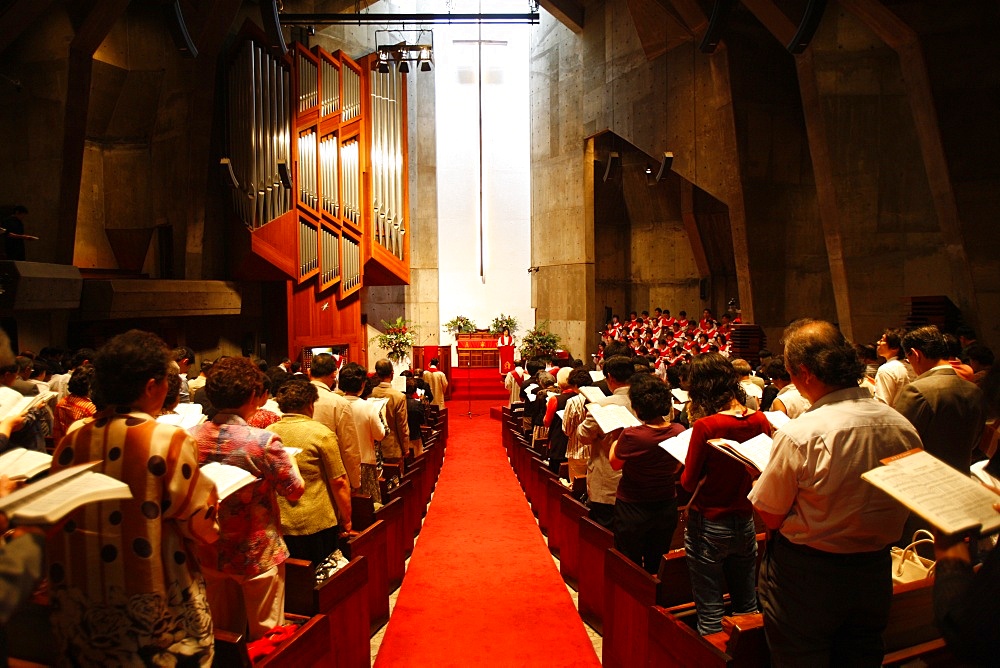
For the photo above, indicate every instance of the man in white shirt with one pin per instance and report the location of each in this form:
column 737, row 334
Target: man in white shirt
column 825, row 582
column 333, row 410
column 369, row 424
column 894, row 375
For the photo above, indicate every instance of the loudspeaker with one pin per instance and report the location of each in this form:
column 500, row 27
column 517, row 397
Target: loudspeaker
column 272, row 25
column 611, row 159
column 179, row 31
column 716, row 25
column 665, row 164
column 807, row 26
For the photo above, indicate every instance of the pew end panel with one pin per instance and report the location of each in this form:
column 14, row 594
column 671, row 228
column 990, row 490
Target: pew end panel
column 372, row 544
column 595, row 541
column 308, row 648
column 569, row 554
column 343, row 599
column 392, row 514
column 672, row 642
column 629, row 592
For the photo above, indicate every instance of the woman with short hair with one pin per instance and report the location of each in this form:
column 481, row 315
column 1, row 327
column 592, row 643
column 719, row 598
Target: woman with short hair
column 126, row 589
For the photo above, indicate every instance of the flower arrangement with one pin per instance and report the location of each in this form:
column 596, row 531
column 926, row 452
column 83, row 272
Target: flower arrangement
column 539, row 342
column 460, row 325
column 397, row 340
column 502, row 322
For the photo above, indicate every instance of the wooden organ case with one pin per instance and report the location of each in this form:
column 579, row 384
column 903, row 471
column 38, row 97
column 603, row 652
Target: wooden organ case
column 317, row 162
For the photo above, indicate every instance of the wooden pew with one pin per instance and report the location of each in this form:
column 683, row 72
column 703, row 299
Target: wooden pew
column 595, row 541
column 629, row 592
column 671, row 642
column 911, row 632
column 372, row 543
column 309, row 647
column 538, row 497
column 555, row 490
column 550, row 501
column 392, row 514
column 415, row 511
column 405, row 493
column 342, row 599
column 572, row 511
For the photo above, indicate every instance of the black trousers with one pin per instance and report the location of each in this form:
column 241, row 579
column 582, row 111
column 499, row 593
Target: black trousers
column 314, row 547
column 643, row 531
column 823, row 609
column 602, row 513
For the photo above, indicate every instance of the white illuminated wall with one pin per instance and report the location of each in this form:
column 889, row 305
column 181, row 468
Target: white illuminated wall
column 502, row 284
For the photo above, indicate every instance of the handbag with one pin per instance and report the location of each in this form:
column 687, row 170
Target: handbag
column 907, row 565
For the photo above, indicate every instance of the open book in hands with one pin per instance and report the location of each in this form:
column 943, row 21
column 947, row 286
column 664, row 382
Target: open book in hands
column 53, row 497
column 755, row 453
column 678, row 445
column 947, row 498
column 227, row 478
column 612, row 417
column 24, row 464
column 24, row 404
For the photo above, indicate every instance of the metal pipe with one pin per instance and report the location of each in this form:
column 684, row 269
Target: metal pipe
column 395, row 19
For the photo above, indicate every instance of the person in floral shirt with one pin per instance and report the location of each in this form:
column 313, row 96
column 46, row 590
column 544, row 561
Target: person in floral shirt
column 245, row 570
column 126, row 590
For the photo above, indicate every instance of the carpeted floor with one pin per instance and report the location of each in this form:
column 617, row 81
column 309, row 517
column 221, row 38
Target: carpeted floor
column 481, row 587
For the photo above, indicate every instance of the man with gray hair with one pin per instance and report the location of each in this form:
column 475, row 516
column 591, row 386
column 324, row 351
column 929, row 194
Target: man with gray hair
column 825, row 582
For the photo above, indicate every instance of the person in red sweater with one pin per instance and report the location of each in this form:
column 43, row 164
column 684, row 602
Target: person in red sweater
column 719, row 538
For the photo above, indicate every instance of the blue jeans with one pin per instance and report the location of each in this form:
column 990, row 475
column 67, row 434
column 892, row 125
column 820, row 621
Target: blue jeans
column 721, row 556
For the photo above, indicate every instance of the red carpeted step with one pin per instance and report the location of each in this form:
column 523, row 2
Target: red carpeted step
column 482, row 589
column 476, row 384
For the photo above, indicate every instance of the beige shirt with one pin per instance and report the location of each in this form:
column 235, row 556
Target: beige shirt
column 438, row 384
column 890, row 379
column 793, row 401
column 369, row 425
column 814, row 477
column 395, row 416
column 602, row 480
column 333, row 410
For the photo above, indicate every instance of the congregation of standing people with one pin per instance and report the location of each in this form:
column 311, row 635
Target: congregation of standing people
column 824, row 582
column 148, row 580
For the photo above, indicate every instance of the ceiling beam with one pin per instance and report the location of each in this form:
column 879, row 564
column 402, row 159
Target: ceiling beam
column 568, row 12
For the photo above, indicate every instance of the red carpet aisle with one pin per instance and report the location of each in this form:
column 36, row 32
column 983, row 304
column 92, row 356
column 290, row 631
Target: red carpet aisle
column 481, row 587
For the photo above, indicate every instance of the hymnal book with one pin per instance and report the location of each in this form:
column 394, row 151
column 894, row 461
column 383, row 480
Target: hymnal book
column 560, row 413
column 50, row 499
column 948, row 499
column 777, row 418
column 21, row 463
column 227, row 478
column 612, row 417
column 596, row 376
column 185, row 419
column 529, row 391
column 755, row 452
column 592, row 394
column 678, row 445
column 680, row 396
column 24, row 404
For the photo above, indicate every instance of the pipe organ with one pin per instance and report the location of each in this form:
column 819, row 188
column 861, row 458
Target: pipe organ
column 330, row 254
column 258, row 134
column 328, row 174
column 329, row 209
column 387, row 160
column 308, row 248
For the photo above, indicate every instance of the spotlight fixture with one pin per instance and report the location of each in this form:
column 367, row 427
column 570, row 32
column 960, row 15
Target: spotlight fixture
column 665, row 164
column 614, row 155
column 406, row 48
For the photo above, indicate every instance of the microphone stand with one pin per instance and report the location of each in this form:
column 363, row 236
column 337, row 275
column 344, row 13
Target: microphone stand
column 468, row 383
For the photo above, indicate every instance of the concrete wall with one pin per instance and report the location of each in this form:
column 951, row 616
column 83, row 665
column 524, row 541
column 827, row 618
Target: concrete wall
column 853, row 177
